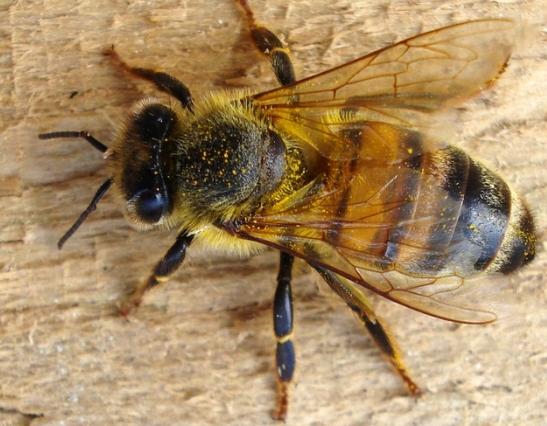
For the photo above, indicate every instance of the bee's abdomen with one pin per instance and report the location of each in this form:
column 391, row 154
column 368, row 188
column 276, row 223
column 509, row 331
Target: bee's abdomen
column 491, row 228
column 422, row 212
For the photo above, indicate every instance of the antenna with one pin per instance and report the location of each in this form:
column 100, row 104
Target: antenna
column 103, row 189
column 81, row 134
column 88, row 210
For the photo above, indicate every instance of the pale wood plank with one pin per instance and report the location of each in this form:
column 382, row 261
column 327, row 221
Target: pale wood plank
column 200, row 350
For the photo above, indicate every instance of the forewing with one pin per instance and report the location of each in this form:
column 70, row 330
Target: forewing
column 385, row 219
column 381, row 214
column 402, row 84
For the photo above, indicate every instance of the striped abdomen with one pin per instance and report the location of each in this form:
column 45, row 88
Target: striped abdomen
column 401, row 204
column 465, row 220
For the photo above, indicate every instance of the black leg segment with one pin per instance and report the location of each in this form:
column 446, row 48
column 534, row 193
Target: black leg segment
column 378, row 333
column 270, row 45
column 283, row 315
column 285, row 357
column 163, row 81
column 173, row 258
column 163, row 269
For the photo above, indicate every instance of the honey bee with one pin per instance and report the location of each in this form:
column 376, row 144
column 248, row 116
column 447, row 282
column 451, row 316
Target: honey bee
column 338, row 169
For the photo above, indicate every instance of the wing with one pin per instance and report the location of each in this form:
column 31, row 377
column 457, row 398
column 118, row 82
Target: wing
column 386, row 219
column 384, row 205
column 403, row 84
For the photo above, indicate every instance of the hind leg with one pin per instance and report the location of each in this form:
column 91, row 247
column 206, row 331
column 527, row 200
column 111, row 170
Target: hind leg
column 359, row 304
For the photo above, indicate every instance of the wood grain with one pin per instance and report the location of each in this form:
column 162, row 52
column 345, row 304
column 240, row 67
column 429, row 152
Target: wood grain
column 200, row 349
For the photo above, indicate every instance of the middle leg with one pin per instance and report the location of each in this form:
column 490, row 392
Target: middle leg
column 285, row 358
column 270, row 45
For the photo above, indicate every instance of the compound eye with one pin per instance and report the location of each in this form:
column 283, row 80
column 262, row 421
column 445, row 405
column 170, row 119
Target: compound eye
column 150, row 205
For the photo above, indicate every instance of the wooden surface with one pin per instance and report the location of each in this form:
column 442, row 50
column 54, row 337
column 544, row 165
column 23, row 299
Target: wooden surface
column 200, row 350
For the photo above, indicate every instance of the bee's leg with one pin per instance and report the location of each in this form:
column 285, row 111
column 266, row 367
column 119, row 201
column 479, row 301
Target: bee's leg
column 163, row 81
column 283, row 326
column 162, row 271
column 270, row 45
column 359, row 304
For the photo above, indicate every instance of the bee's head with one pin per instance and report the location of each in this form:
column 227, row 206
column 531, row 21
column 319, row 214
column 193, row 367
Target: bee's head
column 140, row 163
column 141, row 167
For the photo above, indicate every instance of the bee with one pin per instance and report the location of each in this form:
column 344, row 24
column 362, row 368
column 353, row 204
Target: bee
column 339, row 169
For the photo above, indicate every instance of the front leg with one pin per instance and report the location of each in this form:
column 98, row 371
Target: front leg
column 285, row 358
column 163, row 81
column 162, row 271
